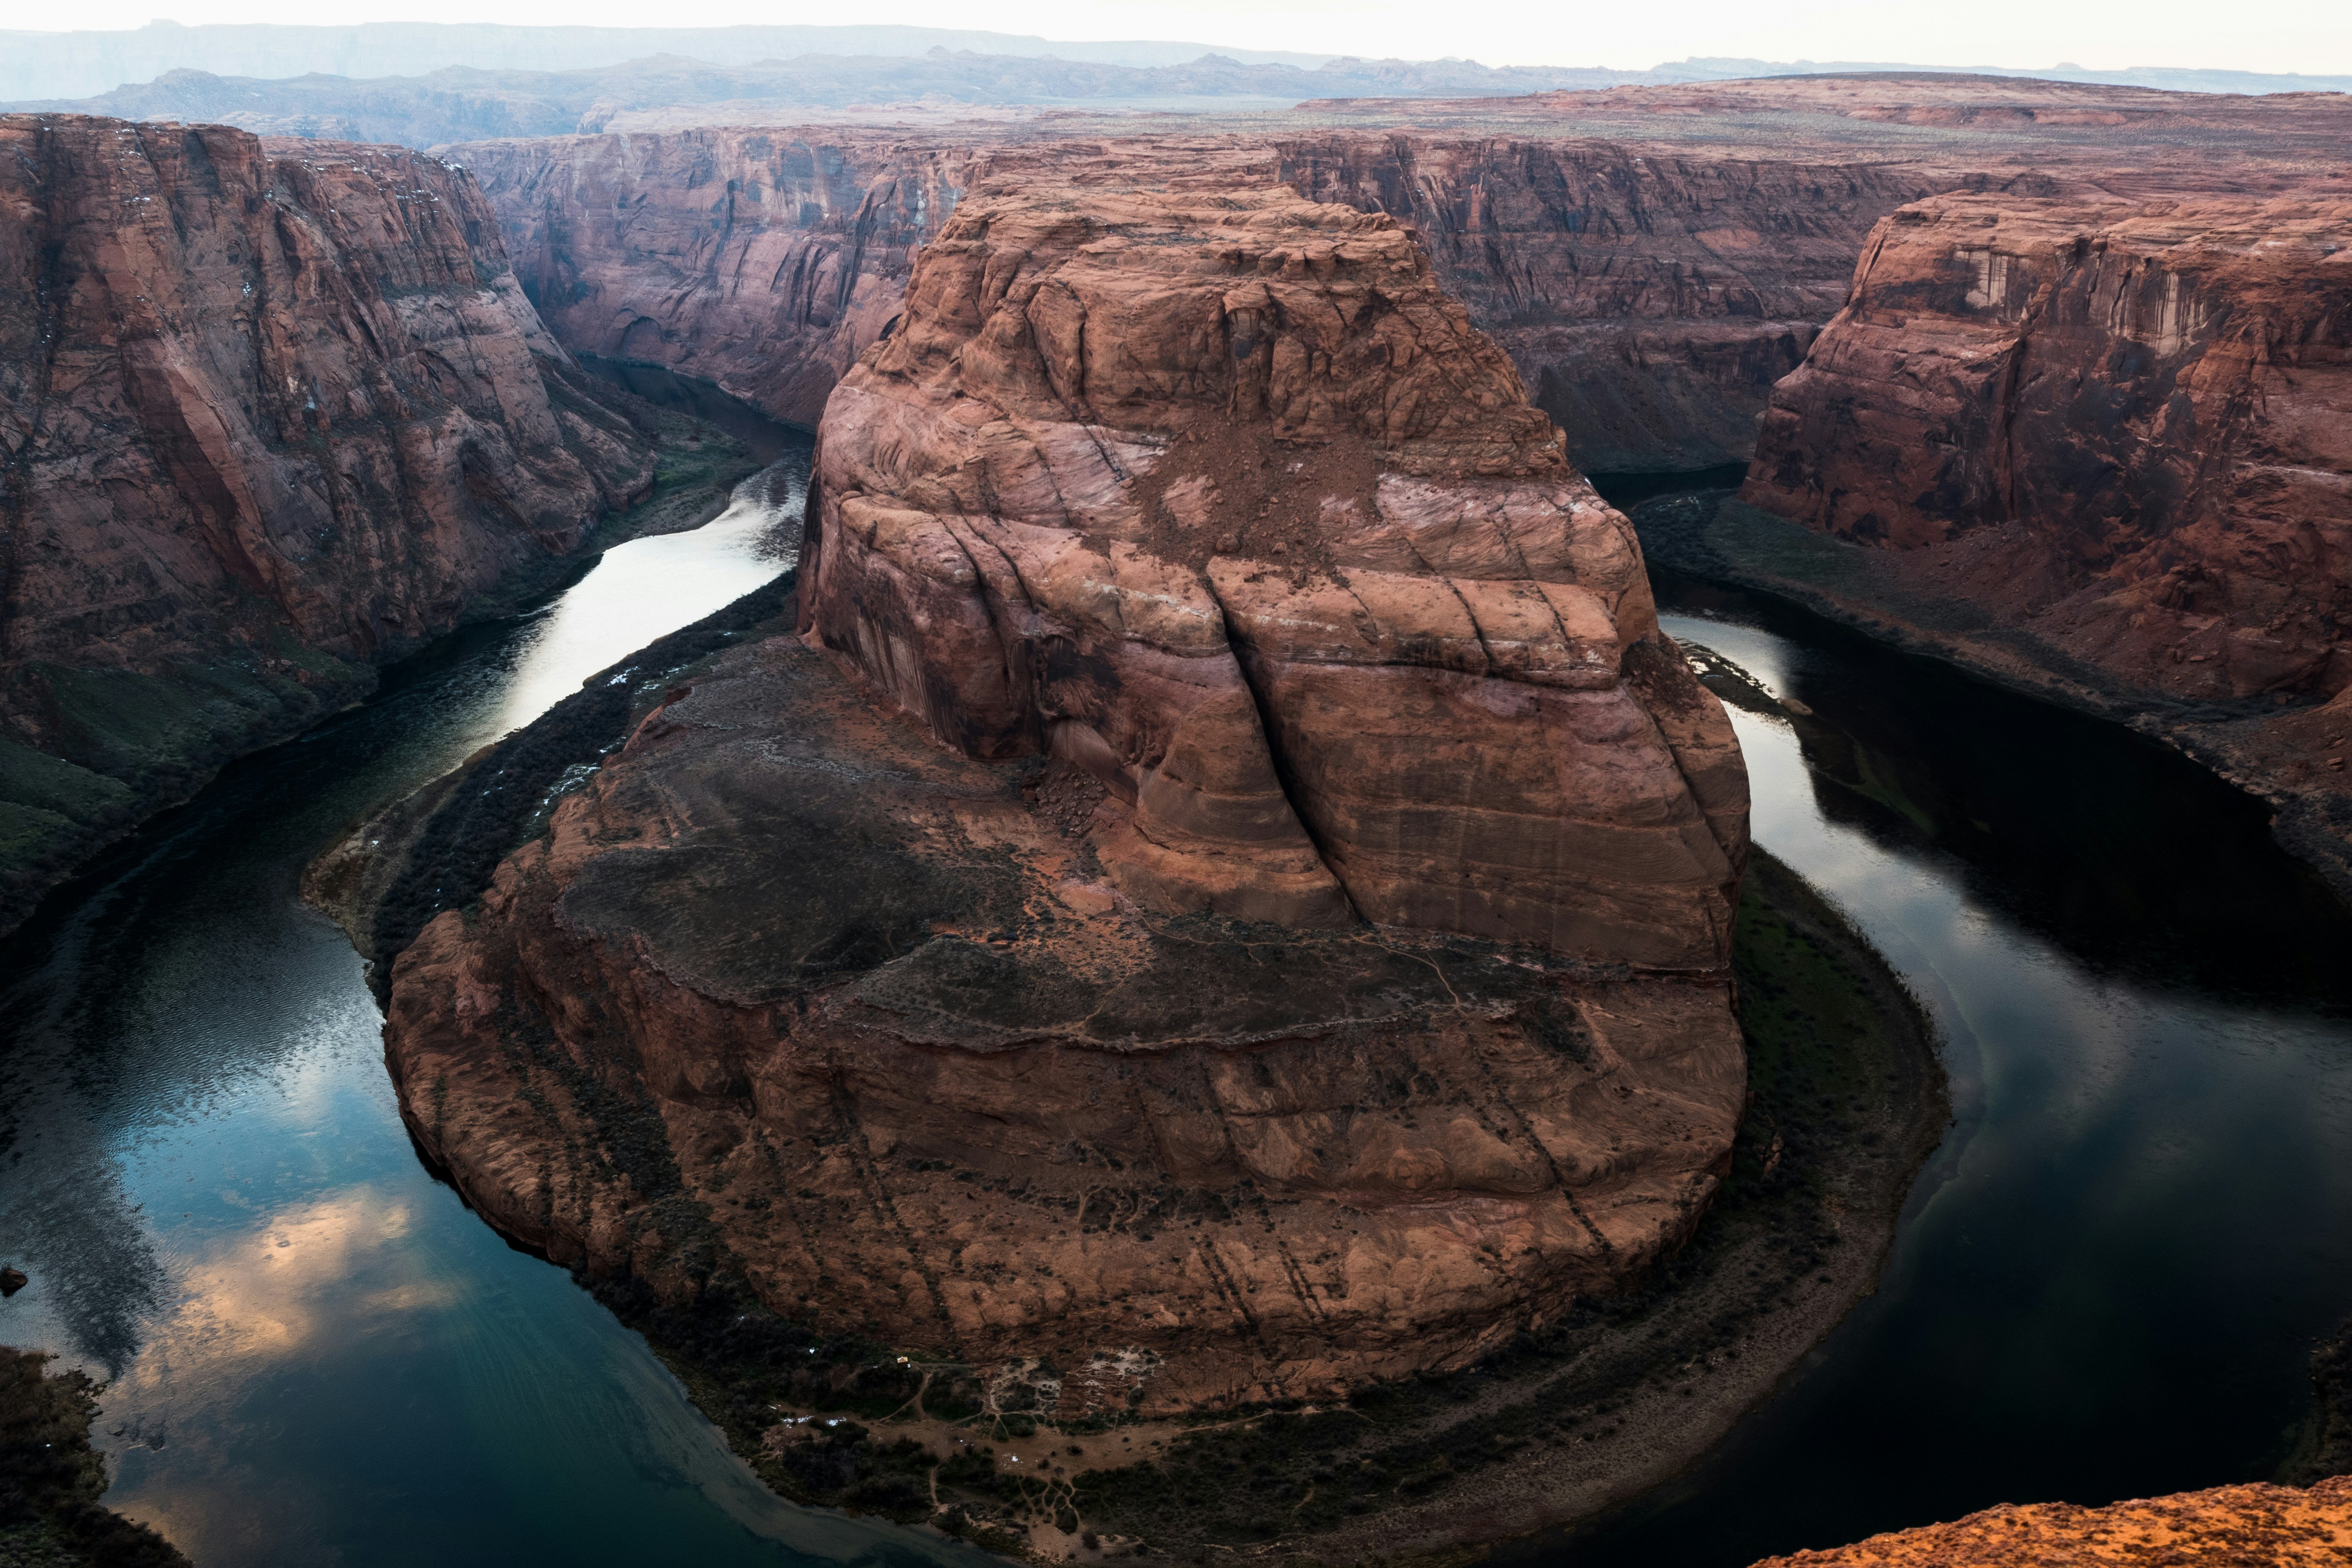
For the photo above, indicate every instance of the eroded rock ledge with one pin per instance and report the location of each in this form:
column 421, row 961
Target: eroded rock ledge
column 1238, row 898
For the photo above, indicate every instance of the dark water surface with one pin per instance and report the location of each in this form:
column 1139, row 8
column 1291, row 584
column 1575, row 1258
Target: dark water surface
column 2109, row 1277
column 2106, row 1283
column 319, row 1355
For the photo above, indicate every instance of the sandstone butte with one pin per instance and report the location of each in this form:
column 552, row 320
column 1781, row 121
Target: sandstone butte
column 2123, row 428
column 1232, row 894
column 2254, row 1526
column 265, row 420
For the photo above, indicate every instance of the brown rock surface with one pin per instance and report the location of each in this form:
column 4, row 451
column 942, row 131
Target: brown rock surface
column 265, row 420
column 2254, row 1526
column 1650, row 302
column 2128, row 425
column 764, row 260
column 1219, row 497
column 2106, row 446
column 1652, row 259
column 1251, row 600
column 1648, row 299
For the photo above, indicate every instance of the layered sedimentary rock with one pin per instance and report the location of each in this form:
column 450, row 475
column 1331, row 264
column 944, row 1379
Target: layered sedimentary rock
column 1231, row 506
column 765, row 261
column 1649, row 301
column 265, row 420
column 1234, row 900
column 2244, row 1524
column 2128, row 426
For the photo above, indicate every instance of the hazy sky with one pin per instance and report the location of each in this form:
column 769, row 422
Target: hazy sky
column 2311, row 36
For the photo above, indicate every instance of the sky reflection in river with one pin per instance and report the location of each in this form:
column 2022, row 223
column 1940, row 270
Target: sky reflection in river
column 323, row 1357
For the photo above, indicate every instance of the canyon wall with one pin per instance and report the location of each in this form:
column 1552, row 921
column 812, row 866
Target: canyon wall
column 1650, row 298
column 764, row 261
column 2127, row 426
column 1650, row 302
column 267, row 421
column 1231, row 896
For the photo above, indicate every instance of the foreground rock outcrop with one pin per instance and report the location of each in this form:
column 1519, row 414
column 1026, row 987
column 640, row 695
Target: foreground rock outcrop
column 266, row 421
column 1235, row 903
column 2258, row 1526
column 2104, row 446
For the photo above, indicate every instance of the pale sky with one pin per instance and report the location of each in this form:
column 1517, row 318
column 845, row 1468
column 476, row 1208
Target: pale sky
column 2309, row 36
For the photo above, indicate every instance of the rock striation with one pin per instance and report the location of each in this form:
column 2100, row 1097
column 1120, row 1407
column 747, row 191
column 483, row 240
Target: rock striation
column 1224, row 501
column 1649, row 301
column 265, row 420
column 2242, row 1524
column 1229, row 895
column 2098, row 447
column 766, row 261
column 1650, row 298
column 2126, row 425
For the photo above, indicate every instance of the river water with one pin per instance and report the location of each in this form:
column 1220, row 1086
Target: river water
column 318, row 1355
column 2105, row 1285
column 2109, row 1277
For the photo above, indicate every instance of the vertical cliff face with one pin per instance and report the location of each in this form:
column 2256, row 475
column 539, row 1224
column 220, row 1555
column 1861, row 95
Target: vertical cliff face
column 265, row 420
column 2125, row 427
column 1650, row 300
column 766, row 261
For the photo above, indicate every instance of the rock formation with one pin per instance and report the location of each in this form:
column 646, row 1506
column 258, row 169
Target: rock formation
column 1238, row 906
column 2254, row 1524
column 266, row 421
column 764, row 261
column 2129, row 425
column 2099, row 449
column 1651, row 257
column 1649, row 301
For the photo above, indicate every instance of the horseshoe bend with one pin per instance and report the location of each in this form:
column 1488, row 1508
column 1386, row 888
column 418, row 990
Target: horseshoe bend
column 1228, row 888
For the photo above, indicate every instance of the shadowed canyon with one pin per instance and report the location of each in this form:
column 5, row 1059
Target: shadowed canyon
column 1098, row 819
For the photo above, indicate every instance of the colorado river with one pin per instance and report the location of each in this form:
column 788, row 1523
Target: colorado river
column 319, row 1354
column 2106, row 1283
column 2109, row 1278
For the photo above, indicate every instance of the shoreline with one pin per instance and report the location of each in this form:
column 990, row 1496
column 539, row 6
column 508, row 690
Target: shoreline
column 697, row 468
column 1712, row 536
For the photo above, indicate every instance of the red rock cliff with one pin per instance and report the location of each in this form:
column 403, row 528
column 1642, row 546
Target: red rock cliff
column 764, row 260
column 1650, row 301
column 2126, row 426
column 1650, row 298
column 266, row 419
